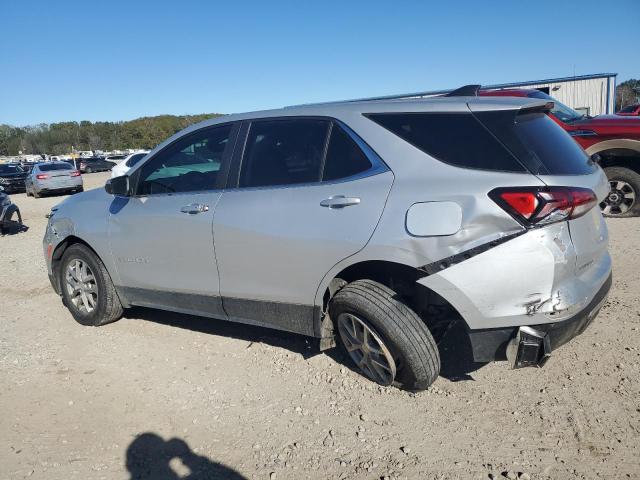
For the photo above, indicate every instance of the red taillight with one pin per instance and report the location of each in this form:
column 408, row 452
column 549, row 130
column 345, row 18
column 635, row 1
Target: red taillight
column 525, row 203
column 75, row 173
column 541, row 206
column 42, row 176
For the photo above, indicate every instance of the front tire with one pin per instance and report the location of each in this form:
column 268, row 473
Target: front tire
column 387, row 340
column 624, row 198
column 87, row 289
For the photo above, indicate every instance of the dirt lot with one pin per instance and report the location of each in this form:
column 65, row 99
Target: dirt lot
column 159, row 395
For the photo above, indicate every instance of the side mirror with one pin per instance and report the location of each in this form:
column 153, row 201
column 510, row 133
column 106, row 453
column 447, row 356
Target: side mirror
column 596, row 158
column 1, row 188
column 118, row 186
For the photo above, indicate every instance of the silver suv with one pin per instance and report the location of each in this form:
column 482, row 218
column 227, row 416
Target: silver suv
column 378, row 225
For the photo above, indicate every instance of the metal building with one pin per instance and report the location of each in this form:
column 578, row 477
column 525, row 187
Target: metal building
column 590, row 94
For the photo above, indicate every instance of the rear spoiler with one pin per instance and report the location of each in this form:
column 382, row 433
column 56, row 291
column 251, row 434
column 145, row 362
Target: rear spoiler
column 466, row 91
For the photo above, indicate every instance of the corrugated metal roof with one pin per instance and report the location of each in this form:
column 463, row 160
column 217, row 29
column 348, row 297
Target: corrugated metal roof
column 552, row 80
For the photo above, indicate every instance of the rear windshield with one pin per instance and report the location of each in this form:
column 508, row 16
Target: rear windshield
column 495, row 141
column 55, row 166
column 10, row 169
column 539, row 142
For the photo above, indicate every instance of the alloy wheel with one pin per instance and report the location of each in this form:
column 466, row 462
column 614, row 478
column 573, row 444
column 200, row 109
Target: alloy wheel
column 366, row 349
column 81, row 286
column 621, row 198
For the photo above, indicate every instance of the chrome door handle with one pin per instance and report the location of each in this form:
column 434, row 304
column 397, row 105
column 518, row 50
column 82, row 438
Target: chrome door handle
column 194, row 208
column 339, row 201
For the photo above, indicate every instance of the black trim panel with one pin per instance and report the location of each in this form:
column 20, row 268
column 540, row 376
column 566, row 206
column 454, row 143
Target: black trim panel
column 204, row 304
column 281, row 316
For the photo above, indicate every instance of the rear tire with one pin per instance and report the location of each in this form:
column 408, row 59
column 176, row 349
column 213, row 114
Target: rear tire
column 624, row 198
column 395, row 328
column 36, row 194
column 87, row 289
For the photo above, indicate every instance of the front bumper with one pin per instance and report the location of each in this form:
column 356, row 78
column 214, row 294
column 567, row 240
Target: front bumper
column 533, row 344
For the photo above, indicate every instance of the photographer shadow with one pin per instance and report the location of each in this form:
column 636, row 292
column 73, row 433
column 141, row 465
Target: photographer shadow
column 149, row 457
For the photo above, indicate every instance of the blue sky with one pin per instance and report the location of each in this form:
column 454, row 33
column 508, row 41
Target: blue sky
column 117, row 60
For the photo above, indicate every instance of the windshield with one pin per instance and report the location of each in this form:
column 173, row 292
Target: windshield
column 560, row 110
column 4, row 169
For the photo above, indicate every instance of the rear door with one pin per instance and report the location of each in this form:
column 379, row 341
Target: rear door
column 307, row 195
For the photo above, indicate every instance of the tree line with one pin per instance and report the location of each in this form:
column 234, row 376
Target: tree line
column 627, row 93
column 60, row 138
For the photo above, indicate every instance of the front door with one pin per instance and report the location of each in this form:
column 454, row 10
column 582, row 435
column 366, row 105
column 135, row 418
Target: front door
column 161, row 237
column 307, row 197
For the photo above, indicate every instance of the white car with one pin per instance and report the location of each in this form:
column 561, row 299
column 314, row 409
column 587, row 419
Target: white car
column 123, row 167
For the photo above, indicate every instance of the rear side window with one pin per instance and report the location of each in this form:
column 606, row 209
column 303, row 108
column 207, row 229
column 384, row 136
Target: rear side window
column 283, row 152
column 539, row 143
column 344, row 157
column 55, row 166
column 458, row 139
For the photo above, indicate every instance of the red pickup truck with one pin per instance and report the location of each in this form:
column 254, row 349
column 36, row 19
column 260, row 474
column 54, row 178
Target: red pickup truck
column 614, row 138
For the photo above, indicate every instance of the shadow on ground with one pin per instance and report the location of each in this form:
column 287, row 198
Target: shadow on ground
column 455, row 350
column 13, row 229
column 305, row 346
column 149, row 457
column 456, row 356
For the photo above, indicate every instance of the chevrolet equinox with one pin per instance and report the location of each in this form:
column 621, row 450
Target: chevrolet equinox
column 376, row 225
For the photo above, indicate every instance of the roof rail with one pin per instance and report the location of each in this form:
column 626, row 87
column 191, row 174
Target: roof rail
column 466, row 91
column 416, row 95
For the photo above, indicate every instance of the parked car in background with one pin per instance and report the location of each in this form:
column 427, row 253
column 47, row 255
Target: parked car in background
column 12, row 177
column 631, row 111
column 614, row 138
column 95, row 164
column 376, row 224
column 9, row 213
column 129, row 162
column 53, row 177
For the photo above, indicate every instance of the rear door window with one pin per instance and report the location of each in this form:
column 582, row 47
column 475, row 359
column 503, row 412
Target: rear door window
column 344, row 156
column 283, row 152
column 458, row 139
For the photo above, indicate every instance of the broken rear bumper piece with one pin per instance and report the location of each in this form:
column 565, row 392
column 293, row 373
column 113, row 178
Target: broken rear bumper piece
column 531, row 346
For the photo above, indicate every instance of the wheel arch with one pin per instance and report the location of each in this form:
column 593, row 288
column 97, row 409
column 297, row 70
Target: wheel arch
column 58, row 253
column 433, row 308
column 620, row 157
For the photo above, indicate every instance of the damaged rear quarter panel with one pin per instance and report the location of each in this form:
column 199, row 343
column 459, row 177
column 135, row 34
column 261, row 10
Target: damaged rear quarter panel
column 515, row 283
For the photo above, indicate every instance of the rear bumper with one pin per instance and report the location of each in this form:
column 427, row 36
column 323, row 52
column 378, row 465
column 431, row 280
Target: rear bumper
column 59, row 188
column 532, row 345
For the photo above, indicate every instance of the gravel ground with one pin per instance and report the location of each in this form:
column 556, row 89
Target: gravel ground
column 164, row 396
